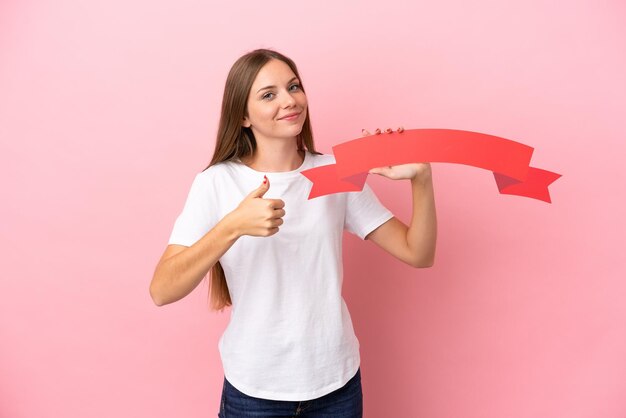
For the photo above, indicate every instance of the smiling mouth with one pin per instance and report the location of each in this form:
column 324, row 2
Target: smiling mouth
column 290, row 117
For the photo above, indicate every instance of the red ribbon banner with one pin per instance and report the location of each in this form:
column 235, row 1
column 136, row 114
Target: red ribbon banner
column 508, row 160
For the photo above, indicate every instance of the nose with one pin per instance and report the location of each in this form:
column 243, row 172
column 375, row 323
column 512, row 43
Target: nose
column 288, row 100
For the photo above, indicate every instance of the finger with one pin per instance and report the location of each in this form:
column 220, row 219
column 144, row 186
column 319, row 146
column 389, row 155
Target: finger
column 277, row 203
column 278, row 214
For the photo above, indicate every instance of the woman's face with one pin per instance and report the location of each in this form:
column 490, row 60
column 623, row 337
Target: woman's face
column 277, row 105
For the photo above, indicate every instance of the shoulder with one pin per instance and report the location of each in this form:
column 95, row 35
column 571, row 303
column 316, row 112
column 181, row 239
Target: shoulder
column 216, row 171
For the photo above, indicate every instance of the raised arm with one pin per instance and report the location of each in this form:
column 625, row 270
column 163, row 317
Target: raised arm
column 181, row 268
column 415, row 244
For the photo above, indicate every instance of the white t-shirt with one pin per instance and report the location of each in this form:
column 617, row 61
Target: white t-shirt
column 290, row 335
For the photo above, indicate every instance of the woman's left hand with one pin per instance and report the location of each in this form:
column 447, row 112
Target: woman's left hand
column 411, row 171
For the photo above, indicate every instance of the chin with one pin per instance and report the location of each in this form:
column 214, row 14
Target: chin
column 295, row 131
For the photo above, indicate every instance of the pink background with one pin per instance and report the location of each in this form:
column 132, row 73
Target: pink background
column 109, row 108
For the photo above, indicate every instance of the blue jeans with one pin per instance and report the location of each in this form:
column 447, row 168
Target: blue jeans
column 345, row 402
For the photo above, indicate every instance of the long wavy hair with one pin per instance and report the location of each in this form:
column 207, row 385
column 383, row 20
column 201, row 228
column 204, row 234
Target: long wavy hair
column 235, row 141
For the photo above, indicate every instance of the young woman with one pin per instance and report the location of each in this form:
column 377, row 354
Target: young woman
column 275, row 256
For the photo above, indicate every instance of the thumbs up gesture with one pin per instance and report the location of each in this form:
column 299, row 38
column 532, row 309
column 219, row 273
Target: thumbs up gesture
column 257, row 216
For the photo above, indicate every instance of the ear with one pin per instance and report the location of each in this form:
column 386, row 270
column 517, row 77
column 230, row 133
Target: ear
column 246, row 122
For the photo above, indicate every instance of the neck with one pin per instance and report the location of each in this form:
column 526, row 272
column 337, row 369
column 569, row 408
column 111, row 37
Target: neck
column 275, row 158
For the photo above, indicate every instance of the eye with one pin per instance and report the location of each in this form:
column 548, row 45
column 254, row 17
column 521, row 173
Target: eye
column 266, row 96
column 296, row 85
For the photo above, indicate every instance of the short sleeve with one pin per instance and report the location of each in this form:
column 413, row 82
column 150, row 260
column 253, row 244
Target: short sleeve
column 364, row 212
column 194, row 221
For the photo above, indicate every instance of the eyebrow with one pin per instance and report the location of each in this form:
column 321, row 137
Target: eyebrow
column 273, row 87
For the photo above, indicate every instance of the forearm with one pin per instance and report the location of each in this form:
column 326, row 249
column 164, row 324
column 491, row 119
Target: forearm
column 176, row 276
column 422, row 233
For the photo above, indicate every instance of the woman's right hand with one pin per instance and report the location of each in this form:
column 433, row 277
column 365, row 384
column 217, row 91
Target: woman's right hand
column 257, row 216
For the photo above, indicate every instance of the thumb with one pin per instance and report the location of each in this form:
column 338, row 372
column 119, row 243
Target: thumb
column 379, row 170
column 262, row 189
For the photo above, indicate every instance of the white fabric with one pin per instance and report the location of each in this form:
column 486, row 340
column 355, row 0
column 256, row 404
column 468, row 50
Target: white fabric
column 290, row 335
